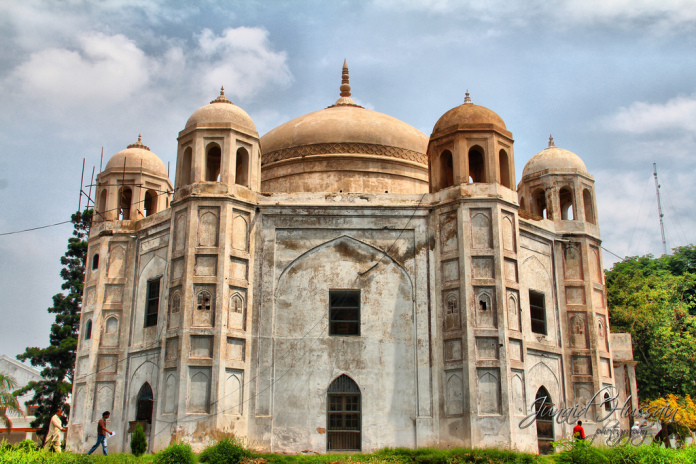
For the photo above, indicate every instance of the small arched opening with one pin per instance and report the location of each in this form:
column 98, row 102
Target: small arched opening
column 187, row 166
column 543, row 406
column 523, row 206
column 565, row 200
column 344, row 418
column 213, row 159
column 150, row 202
column 88, row 330
column 589, row 208
column 446, row 170
column 102, row 205
column 539, row 204
column 145, row 403
column 241, row 171
column 477, row 171
column 606, row 401
column 504, row 163
column 95, row 261
column 125, row 197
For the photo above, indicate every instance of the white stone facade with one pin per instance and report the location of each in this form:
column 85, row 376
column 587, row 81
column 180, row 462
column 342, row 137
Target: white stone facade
column 217, row 311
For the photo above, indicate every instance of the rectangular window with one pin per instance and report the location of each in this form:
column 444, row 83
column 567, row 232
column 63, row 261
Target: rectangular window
column 152, row 303
column 344, row 312
column 537, row 312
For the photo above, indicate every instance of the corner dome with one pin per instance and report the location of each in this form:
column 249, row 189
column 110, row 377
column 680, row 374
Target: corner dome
column 554, row 159
column 137, row 156
column 223, row 112
column 468, row 114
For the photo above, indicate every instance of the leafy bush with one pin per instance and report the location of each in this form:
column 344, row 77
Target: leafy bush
column 177, row 453
column 579, row 452
column 225, row 451
column 26, row 445
column 138, row 444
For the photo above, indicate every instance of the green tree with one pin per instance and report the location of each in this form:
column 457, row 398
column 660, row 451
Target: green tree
column 8, row 401
column 653, row 300
column 58, row 359
column 138, row 444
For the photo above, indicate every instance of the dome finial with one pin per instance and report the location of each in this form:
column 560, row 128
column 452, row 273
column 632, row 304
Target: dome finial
column 345, row 80
column 139, row 144
column 467, row 98
column 345, row 99
column 221, row 98
column 551, row 144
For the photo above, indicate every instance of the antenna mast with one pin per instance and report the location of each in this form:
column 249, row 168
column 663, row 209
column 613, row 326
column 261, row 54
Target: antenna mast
column 659, row 209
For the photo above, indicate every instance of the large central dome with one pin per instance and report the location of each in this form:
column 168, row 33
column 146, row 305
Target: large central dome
column 344, row 148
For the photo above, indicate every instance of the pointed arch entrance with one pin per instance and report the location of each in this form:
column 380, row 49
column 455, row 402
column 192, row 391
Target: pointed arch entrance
column 145, row 403
column 544, row 422
column 343, row 417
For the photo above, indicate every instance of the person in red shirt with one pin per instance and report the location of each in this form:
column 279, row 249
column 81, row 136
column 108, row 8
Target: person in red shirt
column 578, row 431
column 102, row 432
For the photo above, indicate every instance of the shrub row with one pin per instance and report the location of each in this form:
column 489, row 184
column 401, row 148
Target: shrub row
column 230, row 451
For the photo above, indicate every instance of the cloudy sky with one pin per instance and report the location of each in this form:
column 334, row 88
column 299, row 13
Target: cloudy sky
column 613, row 80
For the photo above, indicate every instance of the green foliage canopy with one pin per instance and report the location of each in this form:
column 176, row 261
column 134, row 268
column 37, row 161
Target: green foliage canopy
column 138, row 443
column 58, row 359
column 653, row 300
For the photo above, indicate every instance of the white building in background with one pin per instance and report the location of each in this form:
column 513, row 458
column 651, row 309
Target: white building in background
column 344, row 282
column 21, row 424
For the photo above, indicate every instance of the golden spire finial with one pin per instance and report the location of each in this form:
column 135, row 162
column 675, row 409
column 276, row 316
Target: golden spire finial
column 345, row 80
column 551, row 144
column 139, row 144
column 221, row 98
column 467, row 98
column 345, row 99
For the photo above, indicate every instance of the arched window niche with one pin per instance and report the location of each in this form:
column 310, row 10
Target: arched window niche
column 144, row 406
column 213, row 161
column 504, row 163
column 125, row 198
column 187, row 166
column 102, row 206
column 88, row 330
column 241, row 171
column 565, row 200
column 589, row 207
column 150, row 202
column 446, row 169
column 544, row 407
column 477, row 168
column 539, row 204
column 344, row 420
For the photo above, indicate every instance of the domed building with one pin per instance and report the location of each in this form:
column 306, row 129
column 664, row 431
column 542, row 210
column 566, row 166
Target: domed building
column 346, row 283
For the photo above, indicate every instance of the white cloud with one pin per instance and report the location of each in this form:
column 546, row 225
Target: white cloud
column 650, row 14
column 102, row 69
column 105, row 72
column 640, row 117
column 242, row 60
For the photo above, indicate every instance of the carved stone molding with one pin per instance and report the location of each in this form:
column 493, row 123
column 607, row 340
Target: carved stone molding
column 341, row 148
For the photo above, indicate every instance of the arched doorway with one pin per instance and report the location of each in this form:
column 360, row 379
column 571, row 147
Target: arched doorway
column 544, row 422
column 344, row 418
column 144, row 406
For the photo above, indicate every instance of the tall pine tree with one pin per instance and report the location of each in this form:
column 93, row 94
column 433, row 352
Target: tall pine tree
column 58, row 359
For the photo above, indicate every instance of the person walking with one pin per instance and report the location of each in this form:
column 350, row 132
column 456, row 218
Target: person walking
column 101, row 433
column 53, row 438
column 578, row 431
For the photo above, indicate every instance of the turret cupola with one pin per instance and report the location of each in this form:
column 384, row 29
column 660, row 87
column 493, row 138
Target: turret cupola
column 470, row 144
column 219, row 145
column 134, row 184
column 556, row 185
